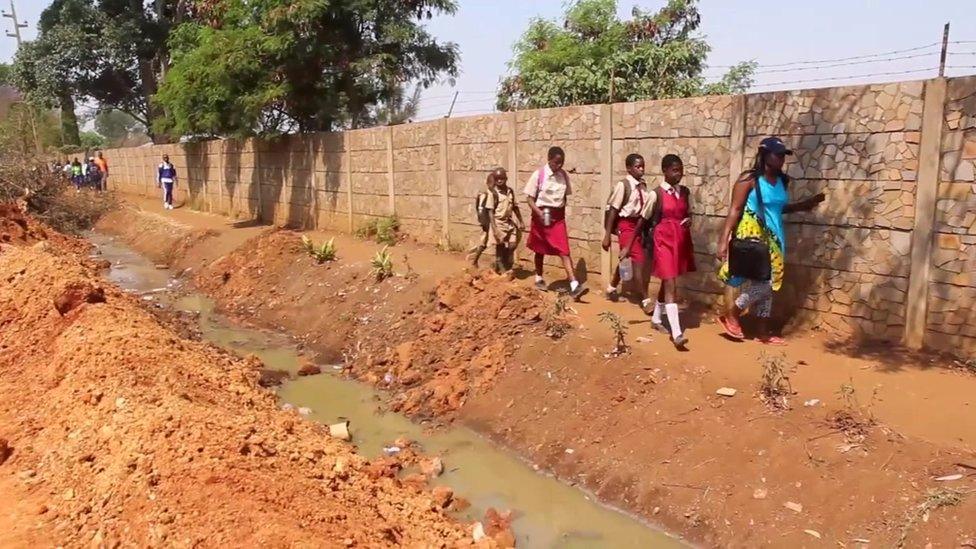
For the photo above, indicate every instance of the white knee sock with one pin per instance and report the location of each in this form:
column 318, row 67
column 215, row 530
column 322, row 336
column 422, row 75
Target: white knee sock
column 658, row 310
column 673, row 319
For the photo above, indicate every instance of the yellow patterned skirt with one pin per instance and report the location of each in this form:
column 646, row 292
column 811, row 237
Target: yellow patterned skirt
column 751, row 227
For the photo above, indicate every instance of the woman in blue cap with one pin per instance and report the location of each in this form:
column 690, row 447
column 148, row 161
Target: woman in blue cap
column 753, row 243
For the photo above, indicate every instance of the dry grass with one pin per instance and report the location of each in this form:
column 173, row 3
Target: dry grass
column 49, row 198
column 935, row 499
column 774, row 385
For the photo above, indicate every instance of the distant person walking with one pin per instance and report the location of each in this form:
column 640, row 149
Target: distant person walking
column 103, row 166
column 166, row 179
column 752, row 245
column 93, row 175
column 77, row 174
column 546, row 192
column 506, row 220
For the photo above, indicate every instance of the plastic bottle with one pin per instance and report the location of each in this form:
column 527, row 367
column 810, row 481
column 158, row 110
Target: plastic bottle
column 546, row 217
column 626, row 269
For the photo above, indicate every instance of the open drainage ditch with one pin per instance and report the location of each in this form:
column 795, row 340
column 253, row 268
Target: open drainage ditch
column 547, row 513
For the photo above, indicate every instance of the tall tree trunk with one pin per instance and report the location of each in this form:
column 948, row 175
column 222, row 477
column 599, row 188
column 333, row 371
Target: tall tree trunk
column 149, row 88
column 69, row 120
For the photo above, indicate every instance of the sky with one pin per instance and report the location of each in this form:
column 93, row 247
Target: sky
column 770, row 33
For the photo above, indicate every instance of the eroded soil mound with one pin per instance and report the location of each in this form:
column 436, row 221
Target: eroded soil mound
column 18, row 228
column 116, row 430
column 454, row 345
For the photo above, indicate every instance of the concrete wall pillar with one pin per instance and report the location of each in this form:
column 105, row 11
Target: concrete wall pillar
column 389, row 169
column 443, row 180
column 926, row 196
column 607, row 263
column 737, row 153
column 347, row 160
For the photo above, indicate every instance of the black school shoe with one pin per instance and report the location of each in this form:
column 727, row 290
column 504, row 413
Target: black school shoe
column 681, row 342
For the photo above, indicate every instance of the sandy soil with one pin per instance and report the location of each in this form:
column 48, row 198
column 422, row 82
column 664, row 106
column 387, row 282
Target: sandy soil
column 114, row 430
column 644, row 430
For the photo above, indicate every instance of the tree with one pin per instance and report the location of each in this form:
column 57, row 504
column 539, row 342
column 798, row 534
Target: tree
column 398, row 108
column 115, row 126
column 91, row 140
column 247, row 67
column 594, row 57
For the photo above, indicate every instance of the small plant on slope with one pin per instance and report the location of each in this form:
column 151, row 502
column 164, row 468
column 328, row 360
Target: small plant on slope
column 386, row 230
column 555, row 318
column 854, row 419
column 619, row 332
column 321, row 254
column 935, row 499
column 382, row 264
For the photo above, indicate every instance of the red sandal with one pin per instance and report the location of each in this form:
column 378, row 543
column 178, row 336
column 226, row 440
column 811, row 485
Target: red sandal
column 772, row 340
column 732, row 329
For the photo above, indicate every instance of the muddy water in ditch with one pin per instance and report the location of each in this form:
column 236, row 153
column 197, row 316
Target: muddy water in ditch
column 548, row 513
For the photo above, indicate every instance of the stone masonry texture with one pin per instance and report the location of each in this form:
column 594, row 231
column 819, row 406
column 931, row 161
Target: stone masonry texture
column 848, row 263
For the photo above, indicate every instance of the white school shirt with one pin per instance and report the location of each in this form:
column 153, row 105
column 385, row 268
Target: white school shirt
column 555, row 188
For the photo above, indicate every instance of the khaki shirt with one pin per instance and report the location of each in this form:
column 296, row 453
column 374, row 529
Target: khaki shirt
column 555, row 188
column 640, row 202
column 504, row 209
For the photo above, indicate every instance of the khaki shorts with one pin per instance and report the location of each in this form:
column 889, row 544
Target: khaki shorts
column 510, row 237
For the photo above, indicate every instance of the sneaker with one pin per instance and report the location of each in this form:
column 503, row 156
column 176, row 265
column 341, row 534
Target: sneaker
column 578, row 292
column 541, row 285
column 680, row 342
column 613, row 295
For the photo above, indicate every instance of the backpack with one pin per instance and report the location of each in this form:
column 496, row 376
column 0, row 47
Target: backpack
column 481, row 206
column 606, row 210
column 481, row 210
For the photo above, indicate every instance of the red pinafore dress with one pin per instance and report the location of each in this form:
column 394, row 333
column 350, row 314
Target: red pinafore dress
column 674, row 253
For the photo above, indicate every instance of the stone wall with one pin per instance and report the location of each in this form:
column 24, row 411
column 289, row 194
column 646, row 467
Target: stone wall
column 952, row 281
column 848, row 264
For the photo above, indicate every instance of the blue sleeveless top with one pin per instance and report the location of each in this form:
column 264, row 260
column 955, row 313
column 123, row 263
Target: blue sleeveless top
column 775, row 198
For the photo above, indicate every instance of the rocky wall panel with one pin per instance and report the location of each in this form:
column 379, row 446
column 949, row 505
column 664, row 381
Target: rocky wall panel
column 673, row 118
column 954, row 260
column 368, row 161
column 417, row 134
column 956, row 209
column 951, row 311
column 560, row 124
column 326, row 142
column 332, row 201
column 490, row 128
column 422, row 230
column 873, row 108
column 330, row 181
column 424, row 158
column 481, row 157
column 581, row 156
column 370, row 183
column 371, row 139
column 371, row 204
column 417, row 184
column 419, row 208
column 891, row 156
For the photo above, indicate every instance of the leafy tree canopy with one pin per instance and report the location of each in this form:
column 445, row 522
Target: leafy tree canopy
column 115, row 126
column 594, row 57
column 263, row 66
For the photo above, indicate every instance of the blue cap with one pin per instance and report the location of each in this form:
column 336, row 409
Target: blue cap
column 774, row 145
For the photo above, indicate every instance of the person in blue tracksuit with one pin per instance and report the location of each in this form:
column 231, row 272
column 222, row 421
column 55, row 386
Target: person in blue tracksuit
column 166, row 179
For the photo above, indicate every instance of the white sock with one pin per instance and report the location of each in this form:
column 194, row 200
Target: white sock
column 658, row 309
column 573, row 284
column 673, row 320
column 611, row 289
column 539, row 278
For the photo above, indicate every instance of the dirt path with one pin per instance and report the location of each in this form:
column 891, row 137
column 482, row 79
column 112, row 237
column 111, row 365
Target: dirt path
column 113, row 429
column 645, row 430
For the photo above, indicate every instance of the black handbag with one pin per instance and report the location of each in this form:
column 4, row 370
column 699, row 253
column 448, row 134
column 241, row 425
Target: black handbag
column 749, row 257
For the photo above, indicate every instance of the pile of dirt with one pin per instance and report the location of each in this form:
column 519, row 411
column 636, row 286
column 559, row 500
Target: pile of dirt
column 118, row 431
column 456, row 344
column 159, row 238
column 18, row 228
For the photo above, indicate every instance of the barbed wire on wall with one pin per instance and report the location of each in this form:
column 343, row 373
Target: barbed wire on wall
column 925, row 57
